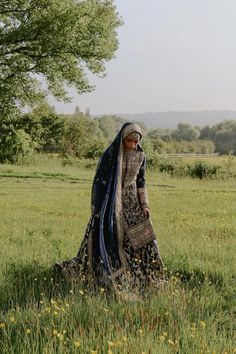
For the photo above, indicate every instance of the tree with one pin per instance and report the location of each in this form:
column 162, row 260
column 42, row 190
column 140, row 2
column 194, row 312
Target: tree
column 185, row 132
column 57, row 40
column 225, row 137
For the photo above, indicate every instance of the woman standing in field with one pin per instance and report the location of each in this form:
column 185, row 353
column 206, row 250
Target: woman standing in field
column 119, row 249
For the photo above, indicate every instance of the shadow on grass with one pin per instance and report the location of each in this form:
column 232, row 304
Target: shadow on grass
column 24, row 285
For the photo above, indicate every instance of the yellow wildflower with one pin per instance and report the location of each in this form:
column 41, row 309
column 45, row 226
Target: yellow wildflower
column 171, row 342
column 203, row 324
column 162, row 338
column 28, row 331
column 77, row 344
column 54, row 332
column 60, row 336
column 2, row 325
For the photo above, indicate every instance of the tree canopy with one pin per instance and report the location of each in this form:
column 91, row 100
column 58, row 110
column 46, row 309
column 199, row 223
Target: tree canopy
column 59, row 41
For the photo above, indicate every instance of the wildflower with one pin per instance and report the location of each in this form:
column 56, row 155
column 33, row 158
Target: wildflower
column 203, row 324
column 12, row 319
column 171, row 342
column 60, row 336
column 71, row 291
column 77, row 344
column 162, row 338
column 165, row 334
column 81, row 292
column 109, row 351
column 67, row 305
column 93, row 351
column 140, row 331
column 102, row 290
column 111, row 344
column 124, row 338
column 54, row 332
column 2, row 325
column 53, row 302
column 41, row 302
column 28, row 331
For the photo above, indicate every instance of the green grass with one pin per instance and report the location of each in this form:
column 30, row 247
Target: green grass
column 44, row 209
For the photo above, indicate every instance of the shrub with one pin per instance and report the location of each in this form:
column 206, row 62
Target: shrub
column 201, row 169
column 16, row 147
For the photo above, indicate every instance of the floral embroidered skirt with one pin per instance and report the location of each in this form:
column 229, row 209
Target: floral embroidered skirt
column 144, row 266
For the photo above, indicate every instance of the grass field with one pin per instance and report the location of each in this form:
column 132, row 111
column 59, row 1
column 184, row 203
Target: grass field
column 44, row 209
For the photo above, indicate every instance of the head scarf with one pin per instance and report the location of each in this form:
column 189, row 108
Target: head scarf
column 130, row 129
column 107, row 234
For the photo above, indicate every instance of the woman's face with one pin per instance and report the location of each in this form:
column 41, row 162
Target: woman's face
column 130, row 143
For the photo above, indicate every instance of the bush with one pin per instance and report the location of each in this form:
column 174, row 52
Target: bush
column 176, row 167
column 172, row 165
column 200, row 169
column 16, row 147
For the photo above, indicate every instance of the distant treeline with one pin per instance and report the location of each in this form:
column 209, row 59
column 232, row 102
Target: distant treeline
column 79, row 135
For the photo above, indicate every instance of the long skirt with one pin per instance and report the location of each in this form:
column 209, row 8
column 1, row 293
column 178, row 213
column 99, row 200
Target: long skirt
column 144, row 266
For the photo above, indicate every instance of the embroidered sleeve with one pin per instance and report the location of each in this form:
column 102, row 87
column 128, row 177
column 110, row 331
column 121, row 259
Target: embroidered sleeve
column 141, row 185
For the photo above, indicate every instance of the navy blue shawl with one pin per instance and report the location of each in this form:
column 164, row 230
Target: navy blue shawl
column 105, row 242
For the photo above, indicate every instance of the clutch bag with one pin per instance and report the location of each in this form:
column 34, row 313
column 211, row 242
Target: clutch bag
column 141, row 234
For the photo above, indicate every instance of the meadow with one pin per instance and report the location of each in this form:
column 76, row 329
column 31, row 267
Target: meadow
column 44, row 209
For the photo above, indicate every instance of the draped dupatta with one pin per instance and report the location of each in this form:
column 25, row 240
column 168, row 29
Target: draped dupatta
column 107, row 231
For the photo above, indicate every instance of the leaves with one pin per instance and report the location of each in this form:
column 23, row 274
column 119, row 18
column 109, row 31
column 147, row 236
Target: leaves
column 58, row 40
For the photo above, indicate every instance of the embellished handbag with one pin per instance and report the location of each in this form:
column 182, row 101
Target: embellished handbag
column 141, row 234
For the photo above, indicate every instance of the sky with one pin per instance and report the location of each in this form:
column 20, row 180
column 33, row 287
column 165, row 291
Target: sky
column 174, row 55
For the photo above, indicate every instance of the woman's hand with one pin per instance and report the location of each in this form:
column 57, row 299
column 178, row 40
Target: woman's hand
column 146, row 212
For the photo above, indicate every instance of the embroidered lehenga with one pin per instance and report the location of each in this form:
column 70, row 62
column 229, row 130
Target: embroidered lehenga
column 106, row 257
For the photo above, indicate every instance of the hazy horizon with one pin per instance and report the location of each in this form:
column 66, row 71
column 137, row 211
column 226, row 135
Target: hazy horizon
column 173, row 56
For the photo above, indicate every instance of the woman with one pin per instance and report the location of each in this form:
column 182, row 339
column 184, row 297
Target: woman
column 119, row 249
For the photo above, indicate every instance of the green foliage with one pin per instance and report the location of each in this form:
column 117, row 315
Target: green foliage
column 95, row 149
column 16, row 146
column 201, row 169
column 60, row 40
column 110, row 125
column 82, row 135
column 178, row 167
column 185, row 132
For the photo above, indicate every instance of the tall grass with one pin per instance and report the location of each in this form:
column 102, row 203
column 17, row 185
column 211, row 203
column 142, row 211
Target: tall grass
column 42, row 220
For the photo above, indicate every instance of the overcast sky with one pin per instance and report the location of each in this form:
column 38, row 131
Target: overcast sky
column 173, row 55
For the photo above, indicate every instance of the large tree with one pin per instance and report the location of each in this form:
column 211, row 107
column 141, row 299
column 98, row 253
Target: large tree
column 55, row 40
